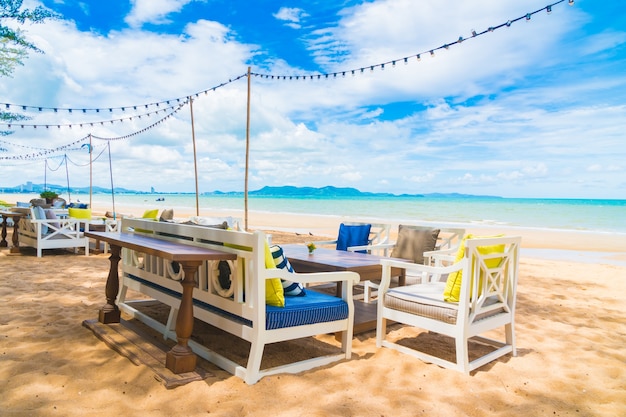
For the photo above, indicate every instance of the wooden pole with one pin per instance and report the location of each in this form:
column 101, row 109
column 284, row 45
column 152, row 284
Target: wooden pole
column 112, row 186
column 245, row 195
column 90, row 174
column 195, row 157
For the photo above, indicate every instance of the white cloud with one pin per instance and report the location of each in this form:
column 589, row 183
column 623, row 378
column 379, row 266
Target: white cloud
column 153, row 11
column 292, row 15
column 507, row 113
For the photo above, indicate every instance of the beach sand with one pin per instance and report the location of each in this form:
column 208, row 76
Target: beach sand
column 570, row 336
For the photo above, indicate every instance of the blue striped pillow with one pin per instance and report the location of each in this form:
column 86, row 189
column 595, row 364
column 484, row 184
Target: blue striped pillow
column 281, row 261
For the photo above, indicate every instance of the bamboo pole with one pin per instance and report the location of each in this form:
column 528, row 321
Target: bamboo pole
column 245, row 197
column 195, row 157
column 90, row 173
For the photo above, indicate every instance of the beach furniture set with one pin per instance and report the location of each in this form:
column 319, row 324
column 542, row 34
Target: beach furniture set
column 463, row 287
column 241, row 292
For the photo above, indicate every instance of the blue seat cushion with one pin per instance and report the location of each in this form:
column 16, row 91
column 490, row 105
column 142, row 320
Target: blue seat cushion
column 314, row 307
column 353, row 235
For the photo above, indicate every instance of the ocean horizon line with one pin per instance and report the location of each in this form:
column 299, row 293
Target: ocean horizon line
column 598, row 215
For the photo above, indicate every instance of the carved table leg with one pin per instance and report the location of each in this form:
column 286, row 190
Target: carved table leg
column 15, row 238
column 110, row 313
column 181, row 358
column 3, row 242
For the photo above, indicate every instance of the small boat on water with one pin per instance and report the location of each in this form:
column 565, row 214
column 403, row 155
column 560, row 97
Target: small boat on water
column 160, row 199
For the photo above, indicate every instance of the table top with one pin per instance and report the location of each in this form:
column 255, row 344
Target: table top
column 332, row 259
column 7, row 213
column 158, row 247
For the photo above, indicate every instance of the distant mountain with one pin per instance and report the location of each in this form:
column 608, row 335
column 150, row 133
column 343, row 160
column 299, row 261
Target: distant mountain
column 328, row 191
column 284, row 191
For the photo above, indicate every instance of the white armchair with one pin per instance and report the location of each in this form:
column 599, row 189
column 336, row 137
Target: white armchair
column 43, row 230
column 486, row 286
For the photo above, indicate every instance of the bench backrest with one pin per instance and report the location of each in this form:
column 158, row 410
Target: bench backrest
column 247, row 274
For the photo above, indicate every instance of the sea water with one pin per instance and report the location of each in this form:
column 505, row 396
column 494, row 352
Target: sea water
column 564, row 214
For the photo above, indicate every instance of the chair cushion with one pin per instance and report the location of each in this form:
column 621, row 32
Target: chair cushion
column 353, row 235
column 79, row 213
column 452, row 291
column 316, row 307
column 274, row 293
column 51, row 215
column 167, row 215
column 413, row 241
column 290, row 288
column 151, row 214
column 40, row 214
column 424, row 300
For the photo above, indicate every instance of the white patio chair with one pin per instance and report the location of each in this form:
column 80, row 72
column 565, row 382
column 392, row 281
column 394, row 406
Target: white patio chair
column 486, row 301
column 428, row 245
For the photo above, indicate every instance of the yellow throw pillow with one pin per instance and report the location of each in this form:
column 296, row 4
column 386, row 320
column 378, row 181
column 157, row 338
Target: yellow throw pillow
column 274, row 293
column 78, row 213
column 452, row 292
column 151, row 214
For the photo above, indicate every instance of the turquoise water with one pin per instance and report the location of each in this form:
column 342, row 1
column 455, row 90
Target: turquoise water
column 568, row 214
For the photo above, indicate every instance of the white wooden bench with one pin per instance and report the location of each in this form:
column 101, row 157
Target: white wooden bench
column 240, row 310
column 43, row 233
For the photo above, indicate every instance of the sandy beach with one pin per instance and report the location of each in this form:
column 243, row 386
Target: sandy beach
column 570, row 337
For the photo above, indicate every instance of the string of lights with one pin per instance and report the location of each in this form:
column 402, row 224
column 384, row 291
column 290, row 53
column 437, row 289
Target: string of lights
column 134, row 107
column 418, row 56
column 185, row 100
column 83, row 124
column 145, row 129
column 46, row 153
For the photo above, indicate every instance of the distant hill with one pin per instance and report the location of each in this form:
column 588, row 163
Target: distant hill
column 284, row 191
column 330, row 191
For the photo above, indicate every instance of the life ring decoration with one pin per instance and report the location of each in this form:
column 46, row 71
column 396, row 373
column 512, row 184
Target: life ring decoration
column 137, row 258
column 222, row 273
column 175, row 271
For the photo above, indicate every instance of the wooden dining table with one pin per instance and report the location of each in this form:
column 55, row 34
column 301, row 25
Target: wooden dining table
column 327, row 260
column 180, row 358
column 15, row 217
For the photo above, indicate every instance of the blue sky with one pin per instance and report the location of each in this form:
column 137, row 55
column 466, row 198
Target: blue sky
column 534, row 109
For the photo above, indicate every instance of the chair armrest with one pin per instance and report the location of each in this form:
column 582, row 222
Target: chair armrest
column 370, row 248
column 324, row 242
column 445, row 255
column 428, row 273
column 431, row 253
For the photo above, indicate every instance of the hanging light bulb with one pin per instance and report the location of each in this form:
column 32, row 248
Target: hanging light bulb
column 508, row 24
column 549, row 9
column 571, row 2
column 432, row 54
column 419, row 58
column 527, row 17
column 473, row 32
